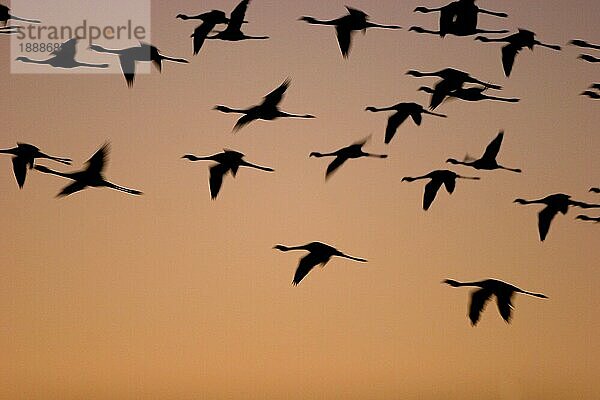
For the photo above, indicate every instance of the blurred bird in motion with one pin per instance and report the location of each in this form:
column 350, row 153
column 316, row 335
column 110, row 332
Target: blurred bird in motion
column 503, row 291
column 24, row 157
column 227, row 161
column 318, row 254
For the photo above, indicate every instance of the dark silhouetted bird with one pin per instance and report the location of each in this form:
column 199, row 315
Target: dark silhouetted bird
column 516, row 42
column 458, row 18
column 342, row 155
column 587, row 218
column 24, row 157
column 227, row 161
column 488, row 159
column 403, row 111
column 209, row 22
column 457, row 76
column 319, row 254
column 595, row 190
column 437, row 179
column 491, row 287
column 267, row 110
column 142, row 53
column 5, row 15
column 63, row 57
column 90, row 176
column 555, row 203
column 468, row 94
column 355, row 20
column 583, row 43
column 233, row 31
column 452, row 79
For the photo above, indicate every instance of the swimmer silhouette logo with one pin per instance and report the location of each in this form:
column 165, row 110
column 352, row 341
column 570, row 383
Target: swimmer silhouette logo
column 59, row 36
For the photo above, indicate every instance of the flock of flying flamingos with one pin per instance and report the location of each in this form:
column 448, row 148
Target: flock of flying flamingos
column 458, row 18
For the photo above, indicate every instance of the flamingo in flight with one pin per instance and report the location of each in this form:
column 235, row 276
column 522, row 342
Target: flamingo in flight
column 233, row 31
column 342, row 155
column 555, row 203
column 458, row 18
column 437, row 179
column 318, row 254
column 451, row 80
column 267, row 110
column 5, row 15
column 355, row 20
column 457, row 76
column 503, row 291
column 143, row 53
column 488, row 159
column 24, row 156
column 63, row 57
column 227, row 161
column 91, row 175
column 403, row 111
column 209, row 21
column 468, row 94
column 516, row 42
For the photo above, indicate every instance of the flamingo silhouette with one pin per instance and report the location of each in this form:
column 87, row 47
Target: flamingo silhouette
column 90, row 176
column 63, row 57
column 355, row 20
column 5, row 15
column 318, row 254
column 142, row 53
column 516, row 42
column 267, row 110
column 233, row 31
column 555, row 203
column 488, row 159
column 403, row 111
column 227, row 161
column 209, row 21
column 437, row 178
column 587, row 218
column 458, row 77
column 452, row 79
column 342, row 155
column 468, row 94
column 24, row 156
column 458, row 18
column 491, row 287
column 583, row 43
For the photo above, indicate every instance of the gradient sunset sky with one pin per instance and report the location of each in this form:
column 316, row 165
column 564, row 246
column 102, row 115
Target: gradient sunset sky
column 173, row 296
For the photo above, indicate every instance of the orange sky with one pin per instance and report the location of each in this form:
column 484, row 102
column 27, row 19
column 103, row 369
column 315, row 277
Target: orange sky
column 173, row 296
